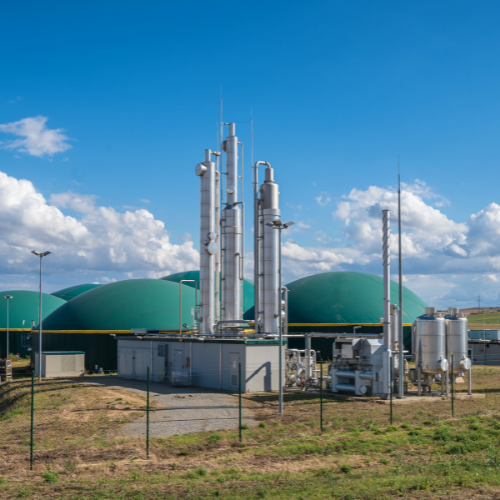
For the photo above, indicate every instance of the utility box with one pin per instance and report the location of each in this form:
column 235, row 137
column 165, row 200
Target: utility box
column 210, row 363
column 61, row 364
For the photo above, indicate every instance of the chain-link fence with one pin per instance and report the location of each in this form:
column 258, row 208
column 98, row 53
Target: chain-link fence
column 105, row 417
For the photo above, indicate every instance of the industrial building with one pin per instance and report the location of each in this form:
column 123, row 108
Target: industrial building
column 214, row 319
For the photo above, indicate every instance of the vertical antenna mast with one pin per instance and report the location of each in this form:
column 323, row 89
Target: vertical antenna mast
column 400, row 315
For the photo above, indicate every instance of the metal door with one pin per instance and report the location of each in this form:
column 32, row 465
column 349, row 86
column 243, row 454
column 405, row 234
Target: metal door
column 178, row 360
column 126, row 362
column 234, row 361
column 142, row 361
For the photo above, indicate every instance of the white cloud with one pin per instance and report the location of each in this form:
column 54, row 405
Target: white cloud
column 35, row 138
column 102, row 240
column 446, row 262
column 323, row 199
column 81, row 203
column 145, row 201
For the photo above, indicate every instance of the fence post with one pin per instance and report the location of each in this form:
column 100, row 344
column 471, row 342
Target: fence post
column 321, row 399
column 390, row 389
column 147, row 420
column 32, row 416
column 452, row 389
column 239, row 398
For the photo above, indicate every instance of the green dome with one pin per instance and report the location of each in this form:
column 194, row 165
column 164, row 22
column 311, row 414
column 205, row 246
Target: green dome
column 248, row 289
column 73, row 291
column 139, row 303
column 23, row 307
column 346, row 297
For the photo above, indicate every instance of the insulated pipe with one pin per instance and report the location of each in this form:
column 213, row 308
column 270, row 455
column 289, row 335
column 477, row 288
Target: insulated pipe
column 208, row 246
column 269, row 198
column 386, row 257
column 386, row 244
column 233, row 232
column 257, row 239
column 217, row 155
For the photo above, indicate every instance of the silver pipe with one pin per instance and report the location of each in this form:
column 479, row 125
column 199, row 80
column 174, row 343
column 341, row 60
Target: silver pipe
column 470, row 381
column 386, row 247
column 419, row 378
column 242, row 223
column 208, row 246
column 257, row 239
column 233, row 230
column 269, row 198
column 217, row 236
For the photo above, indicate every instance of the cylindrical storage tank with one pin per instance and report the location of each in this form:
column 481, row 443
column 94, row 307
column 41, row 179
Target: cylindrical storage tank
column 456, row 341
column 430, row 343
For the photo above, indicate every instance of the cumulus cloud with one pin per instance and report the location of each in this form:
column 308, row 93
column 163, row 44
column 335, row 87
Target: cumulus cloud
column 441, row 256
column 35, row 138
column 100, row 240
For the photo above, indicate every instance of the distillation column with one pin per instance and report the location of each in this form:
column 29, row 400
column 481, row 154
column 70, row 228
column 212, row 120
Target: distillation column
column 208, row 247
column 269, row 265
column 232, row 230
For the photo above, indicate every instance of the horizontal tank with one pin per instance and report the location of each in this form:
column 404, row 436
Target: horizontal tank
column 430, row 343
column 456, row 341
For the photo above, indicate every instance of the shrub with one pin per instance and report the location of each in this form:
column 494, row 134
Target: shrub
column 50, row 477
column 345, row 468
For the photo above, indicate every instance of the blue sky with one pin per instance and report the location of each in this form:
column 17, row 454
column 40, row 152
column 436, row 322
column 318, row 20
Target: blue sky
column 337, row 91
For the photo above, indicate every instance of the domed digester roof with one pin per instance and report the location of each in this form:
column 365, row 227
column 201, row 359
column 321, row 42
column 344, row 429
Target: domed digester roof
column 346, row 297
column 73, row 291
column 248, row 288
column 140, row 303
column 23, row 307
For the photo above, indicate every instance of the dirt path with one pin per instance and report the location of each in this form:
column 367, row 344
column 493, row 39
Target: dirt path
column 181, row 410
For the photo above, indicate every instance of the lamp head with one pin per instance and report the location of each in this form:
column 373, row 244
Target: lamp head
column 288, row 224
column 40, row 254
column 8, row 297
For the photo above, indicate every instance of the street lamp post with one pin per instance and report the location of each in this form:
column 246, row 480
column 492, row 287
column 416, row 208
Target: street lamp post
column 8, row 297
column 41, row 255
column 277, row 224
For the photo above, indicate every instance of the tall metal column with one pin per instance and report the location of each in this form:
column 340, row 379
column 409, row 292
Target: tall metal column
column 208, row 246
column 269, row 200
column 233, row 231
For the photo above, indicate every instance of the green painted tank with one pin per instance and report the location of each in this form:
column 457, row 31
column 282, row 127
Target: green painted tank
column 345, row 297
column 73, row 291
column 248, row 289
column 140, row 303
column 23, row 307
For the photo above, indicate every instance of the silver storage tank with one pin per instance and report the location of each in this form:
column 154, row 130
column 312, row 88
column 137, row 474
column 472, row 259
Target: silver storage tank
column 430, row 343
column 456, row 340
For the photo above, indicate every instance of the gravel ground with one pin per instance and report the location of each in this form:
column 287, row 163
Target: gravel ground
column 181, row 410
